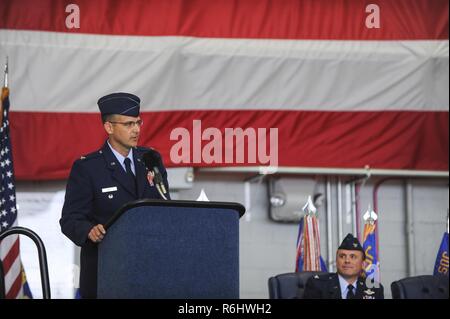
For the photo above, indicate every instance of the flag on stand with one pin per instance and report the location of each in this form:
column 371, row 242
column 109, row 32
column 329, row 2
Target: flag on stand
column 308, row 242
column 442, row 258
column 371, row 263
column 16, row 285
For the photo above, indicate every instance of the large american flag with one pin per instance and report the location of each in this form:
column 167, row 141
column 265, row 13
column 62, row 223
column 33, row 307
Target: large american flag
column 15, row 282
column 341, row 93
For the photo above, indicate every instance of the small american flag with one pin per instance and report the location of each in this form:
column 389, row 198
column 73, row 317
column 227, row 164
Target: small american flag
column 16, row 285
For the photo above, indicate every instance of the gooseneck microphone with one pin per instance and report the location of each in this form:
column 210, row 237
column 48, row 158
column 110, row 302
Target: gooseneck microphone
column 152, row 161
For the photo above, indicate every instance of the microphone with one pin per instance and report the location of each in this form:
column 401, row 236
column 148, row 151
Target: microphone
column 152, row 161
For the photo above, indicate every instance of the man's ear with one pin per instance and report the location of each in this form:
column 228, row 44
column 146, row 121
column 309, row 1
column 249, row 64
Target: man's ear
column 108, row 127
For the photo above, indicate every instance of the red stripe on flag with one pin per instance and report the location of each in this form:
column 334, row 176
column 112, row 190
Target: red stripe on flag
column 14, row 291
column 11, row 256
column 287, row 19
column 382, row 140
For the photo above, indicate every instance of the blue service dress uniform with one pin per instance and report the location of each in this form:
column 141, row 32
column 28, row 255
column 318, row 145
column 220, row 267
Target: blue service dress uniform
column 327, row 286
column 97, row 187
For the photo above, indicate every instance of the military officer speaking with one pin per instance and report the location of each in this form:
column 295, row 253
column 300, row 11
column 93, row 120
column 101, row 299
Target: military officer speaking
column 348, row 282
column 103, row 181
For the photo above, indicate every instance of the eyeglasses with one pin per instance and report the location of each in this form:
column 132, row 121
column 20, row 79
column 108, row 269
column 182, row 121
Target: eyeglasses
column 129, row 124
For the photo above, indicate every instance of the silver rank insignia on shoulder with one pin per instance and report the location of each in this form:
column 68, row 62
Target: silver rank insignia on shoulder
column 316, row 276
column 82, row 157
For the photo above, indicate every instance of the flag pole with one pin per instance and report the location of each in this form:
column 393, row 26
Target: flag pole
column 447, row 220
column 5, row 79
column 4, row 91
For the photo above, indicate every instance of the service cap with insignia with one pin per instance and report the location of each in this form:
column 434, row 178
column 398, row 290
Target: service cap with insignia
column 119, row 103
column 351, row 243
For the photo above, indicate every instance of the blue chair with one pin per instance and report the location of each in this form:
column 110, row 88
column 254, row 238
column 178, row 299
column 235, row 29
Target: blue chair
column 421, row 287
column 290, row 285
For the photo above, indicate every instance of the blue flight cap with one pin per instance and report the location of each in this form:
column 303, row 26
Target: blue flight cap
column 351, row 243
column 119, row 103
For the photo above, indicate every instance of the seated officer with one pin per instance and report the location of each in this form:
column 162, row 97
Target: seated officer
column 349, row 281
column 103, row 181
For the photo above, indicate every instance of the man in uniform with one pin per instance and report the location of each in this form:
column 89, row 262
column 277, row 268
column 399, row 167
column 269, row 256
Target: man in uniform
column 348, row 282
column 103, row 181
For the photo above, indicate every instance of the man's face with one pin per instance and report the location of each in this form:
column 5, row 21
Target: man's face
column 123, row 130
column 349, row 263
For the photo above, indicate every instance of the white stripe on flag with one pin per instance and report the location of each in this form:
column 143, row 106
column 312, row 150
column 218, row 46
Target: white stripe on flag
column 12, row 274
column 317, row 243
column 8, row 242
column 311, row 243
column 206, row 73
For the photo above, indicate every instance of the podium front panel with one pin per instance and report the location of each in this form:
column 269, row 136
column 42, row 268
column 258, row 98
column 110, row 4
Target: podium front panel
column 171, row 252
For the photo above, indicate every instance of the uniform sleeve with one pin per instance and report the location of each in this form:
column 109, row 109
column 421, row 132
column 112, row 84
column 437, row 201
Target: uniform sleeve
column 75, row 222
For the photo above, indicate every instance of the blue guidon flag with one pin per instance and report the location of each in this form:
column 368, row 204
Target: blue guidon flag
column 371, row 263
column 442, row 261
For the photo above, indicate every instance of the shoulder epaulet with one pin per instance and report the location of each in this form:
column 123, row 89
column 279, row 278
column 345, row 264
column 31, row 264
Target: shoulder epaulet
column 323, row 277
column 91, row 155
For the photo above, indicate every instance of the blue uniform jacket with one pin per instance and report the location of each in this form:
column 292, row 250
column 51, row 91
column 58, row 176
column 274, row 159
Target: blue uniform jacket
column 327, row 286
column 97, row 187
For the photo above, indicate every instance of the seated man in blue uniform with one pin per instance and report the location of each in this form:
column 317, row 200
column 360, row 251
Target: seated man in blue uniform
column 103, row 181
column 348, row 282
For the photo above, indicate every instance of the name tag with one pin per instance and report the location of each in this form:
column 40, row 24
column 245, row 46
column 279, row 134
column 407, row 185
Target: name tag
column 109, row 189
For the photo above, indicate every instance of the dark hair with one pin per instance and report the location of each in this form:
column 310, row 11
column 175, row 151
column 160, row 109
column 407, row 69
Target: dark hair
column 107, row 118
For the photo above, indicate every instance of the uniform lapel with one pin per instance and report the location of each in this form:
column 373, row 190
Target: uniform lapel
column 117, row 171
column 141, row 173
column 334, row 288
column 360, row 288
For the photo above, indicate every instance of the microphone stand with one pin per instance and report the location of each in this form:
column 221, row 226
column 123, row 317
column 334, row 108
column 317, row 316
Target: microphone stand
column 160, row 191
column 159, row 183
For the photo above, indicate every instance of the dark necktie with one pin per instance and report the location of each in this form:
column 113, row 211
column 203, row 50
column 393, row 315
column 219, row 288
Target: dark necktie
column 350, row 293
column 130, row 172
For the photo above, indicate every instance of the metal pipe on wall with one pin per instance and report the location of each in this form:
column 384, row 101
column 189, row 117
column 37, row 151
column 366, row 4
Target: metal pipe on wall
column 339, row 202
column 325, row 171
column 376, row 187
column 410, row 229
column 358, row 211
column 409, row 222
column 353, row 204
column 329, row 223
